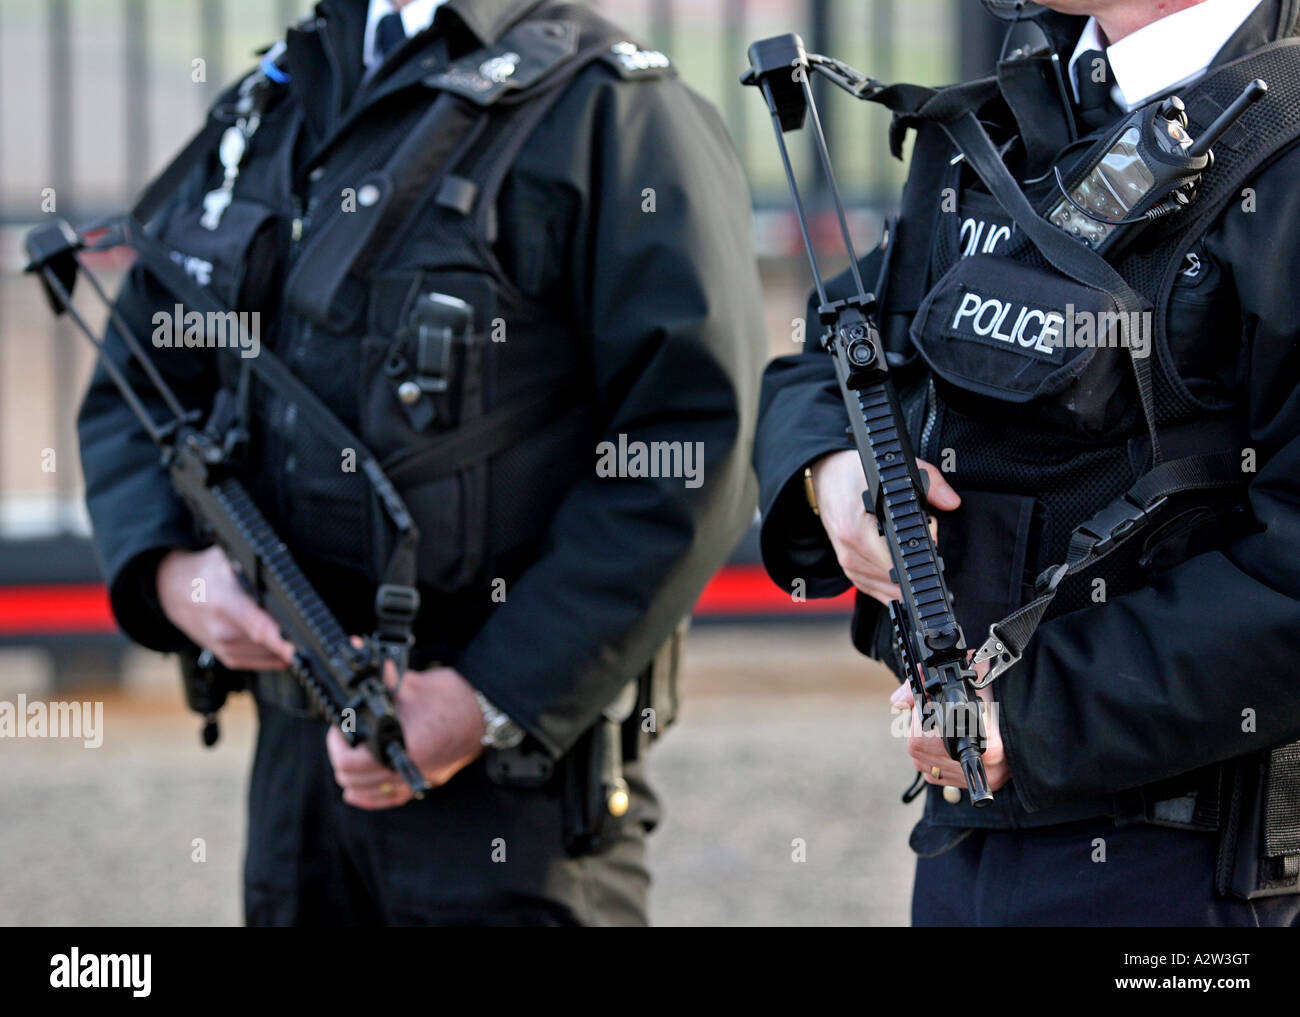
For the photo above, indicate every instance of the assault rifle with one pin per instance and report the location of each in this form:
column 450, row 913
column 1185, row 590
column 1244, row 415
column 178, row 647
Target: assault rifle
column 929, row 642
column 342, row 681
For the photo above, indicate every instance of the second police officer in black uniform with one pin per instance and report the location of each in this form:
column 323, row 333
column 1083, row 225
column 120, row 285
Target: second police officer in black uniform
column 1142, row 749
column 491, row 235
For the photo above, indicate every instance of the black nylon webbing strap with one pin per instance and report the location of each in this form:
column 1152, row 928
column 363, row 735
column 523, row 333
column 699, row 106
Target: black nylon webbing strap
column 480, row 439
column 1098, row 537
column 347, row 244
column 1282, row 808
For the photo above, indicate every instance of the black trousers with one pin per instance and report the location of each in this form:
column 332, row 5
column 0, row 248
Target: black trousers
column 469, row 853
column 1055, row 875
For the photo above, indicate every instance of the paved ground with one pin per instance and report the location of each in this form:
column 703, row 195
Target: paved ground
column 785, row 740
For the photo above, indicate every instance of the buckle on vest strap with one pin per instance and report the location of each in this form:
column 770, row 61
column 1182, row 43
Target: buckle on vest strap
column 396, row 606
column 395, row 609
column 1114, row 523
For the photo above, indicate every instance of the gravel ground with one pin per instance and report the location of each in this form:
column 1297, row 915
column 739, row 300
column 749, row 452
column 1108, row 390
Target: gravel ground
column 783, row 750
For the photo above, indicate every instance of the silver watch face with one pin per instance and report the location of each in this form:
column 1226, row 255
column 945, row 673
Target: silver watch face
column 499, row 731
column 504, row 733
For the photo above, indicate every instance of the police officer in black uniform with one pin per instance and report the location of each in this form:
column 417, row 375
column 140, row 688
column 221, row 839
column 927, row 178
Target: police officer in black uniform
column 1142, row 749
column 492, row 236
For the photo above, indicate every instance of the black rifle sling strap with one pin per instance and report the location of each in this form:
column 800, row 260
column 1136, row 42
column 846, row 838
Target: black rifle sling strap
column 1104, row 533
column 481, row 438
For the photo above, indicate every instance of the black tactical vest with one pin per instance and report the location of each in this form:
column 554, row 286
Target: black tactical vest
column 1039, row 435
column 375, row 266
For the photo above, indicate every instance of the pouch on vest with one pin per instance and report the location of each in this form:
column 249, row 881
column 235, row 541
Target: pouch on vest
column 1019, row 334
column 1259, row 846
column 406, row 407
column 238, row 261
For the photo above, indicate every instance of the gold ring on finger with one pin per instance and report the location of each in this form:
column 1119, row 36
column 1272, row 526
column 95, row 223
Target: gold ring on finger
column 935, row 772
column 387, row 788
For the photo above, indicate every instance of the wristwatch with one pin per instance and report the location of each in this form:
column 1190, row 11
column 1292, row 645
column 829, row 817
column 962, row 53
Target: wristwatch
column 499, row 731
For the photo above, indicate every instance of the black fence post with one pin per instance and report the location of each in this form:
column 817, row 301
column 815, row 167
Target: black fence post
column 981, row 39
column 135, row 91
column 819, row 41
column 212, row 42
column 735, row 42
column 59, row 90
column 882, row 29
column 61, row 170
column 286, row 13
column 662, row 25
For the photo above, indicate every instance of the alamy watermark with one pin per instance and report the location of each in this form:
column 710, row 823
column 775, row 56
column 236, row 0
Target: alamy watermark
column 77, row 970
column 655, row 459
column 971, row 719
column 37, row 719
column 1045, row 331
column 218, row 330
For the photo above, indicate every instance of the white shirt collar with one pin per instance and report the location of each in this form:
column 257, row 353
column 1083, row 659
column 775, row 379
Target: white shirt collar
column 416, row 17
column 1165, row 53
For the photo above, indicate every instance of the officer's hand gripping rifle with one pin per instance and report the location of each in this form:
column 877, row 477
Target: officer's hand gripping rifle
column 930, row 644
column 343, row 681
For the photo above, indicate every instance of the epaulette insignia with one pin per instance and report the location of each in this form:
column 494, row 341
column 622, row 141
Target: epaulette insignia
column 632, row 59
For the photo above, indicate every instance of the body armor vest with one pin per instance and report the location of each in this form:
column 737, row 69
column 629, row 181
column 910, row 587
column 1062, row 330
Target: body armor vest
column 374, row 262
column 1039, row 434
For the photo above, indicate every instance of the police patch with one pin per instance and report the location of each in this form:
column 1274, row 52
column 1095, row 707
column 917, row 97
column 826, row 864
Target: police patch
column 1003, row 328
column 1010, row 324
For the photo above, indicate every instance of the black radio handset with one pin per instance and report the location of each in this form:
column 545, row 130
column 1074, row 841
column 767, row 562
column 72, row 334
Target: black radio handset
column 1150, row 167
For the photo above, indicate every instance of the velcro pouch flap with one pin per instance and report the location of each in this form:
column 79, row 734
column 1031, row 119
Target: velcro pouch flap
column 1014, row 332
column 227, row 260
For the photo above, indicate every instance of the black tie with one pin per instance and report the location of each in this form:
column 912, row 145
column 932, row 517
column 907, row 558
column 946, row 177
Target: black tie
column 1095, row 80
column 389, row 34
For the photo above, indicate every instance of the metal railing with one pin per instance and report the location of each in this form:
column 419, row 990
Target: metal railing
column 95, row 95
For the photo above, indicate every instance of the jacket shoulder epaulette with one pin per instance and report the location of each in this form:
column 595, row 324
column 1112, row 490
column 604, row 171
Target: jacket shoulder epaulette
column 632, row 62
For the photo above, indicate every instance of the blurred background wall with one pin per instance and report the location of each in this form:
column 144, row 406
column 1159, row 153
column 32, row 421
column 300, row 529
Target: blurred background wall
column 95, row 96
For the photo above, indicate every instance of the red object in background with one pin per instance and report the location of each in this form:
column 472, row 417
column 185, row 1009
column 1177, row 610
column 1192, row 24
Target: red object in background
column 746, row 589
column 53, row 610
column 82, row 608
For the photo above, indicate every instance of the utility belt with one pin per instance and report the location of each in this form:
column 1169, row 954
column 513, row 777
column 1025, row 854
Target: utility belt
column 589, row 778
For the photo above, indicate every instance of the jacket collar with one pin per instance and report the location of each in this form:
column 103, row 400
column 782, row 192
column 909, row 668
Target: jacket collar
column 487, row 20
column 324, row 56
column 1270, row 21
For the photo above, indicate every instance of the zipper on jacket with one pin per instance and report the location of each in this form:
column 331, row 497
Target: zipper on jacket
column 296, row 228
column 931, row 415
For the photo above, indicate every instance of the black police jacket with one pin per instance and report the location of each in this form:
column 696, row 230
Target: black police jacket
column 1199, row 664
column 611, row 258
